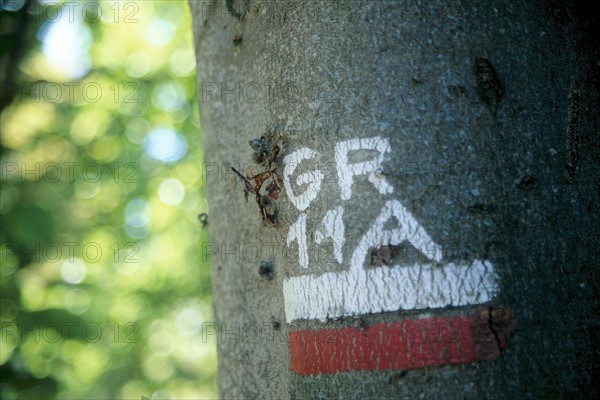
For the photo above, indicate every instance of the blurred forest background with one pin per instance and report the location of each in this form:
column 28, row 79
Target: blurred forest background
column 103, row 289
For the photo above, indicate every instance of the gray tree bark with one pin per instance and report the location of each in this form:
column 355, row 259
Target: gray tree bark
column 490, row 113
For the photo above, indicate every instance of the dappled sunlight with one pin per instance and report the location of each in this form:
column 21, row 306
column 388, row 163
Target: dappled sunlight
column 104, row 293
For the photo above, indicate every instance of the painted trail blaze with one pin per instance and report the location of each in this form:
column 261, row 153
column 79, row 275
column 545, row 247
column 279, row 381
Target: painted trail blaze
column 337, row 294
column 408, row 344
column 357, row 290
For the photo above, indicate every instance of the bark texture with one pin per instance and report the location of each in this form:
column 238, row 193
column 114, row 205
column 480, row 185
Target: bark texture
column 490, row 110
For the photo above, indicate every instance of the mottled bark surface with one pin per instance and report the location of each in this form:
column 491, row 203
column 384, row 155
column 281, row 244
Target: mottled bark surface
column 490, row 111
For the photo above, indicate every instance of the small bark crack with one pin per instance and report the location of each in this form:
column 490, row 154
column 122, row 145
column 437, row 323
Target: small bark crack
column 491, row 326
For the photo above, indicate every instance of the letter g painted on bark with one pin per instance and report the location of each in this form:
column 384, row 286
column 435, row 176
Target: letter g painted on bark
column 312, row 178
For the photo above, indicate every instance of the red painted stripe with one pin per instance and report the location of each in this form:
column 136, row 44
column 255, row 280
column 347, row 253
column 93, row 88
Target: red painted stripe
column 408, row 344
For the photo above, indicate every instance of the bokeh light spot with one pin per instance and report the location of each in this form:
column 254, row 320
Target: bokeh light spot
column 160, row 32
column 189, row 321
column 169, row 96
column 137, row 65
column 77, row 301
column 161, row 343
column 171, row 191
column 137, row 218
column 165, row 145
column 182, row 62
column 137, row 129
column 73, row 271
column 66, row 46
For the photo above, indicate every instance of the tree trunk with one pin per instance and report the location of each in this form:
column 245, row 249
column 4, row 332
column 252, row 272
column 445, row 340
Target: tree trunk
column 422, row 191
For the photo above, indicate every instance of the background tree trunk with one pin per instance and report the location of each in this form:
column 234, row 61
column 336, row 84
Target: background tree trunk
column 490, row 113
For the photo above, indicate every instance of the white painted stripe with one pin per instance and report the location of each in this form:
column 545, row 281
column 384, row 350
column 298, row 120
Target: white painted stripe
column 363, row 291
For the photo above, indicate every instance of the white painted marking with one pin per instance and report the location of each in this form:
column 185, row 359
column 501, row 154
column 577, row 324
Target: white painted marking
column 333, row 227
column 297, row 233
column 408, row 230
column 312, row 178
column 346, row 171
column 356, row 292
column 361, row 290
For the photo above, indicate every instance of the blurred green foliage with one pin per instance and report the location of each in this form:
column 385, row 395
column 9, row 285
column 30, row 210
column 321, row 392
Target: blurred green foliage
column 103, row 289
